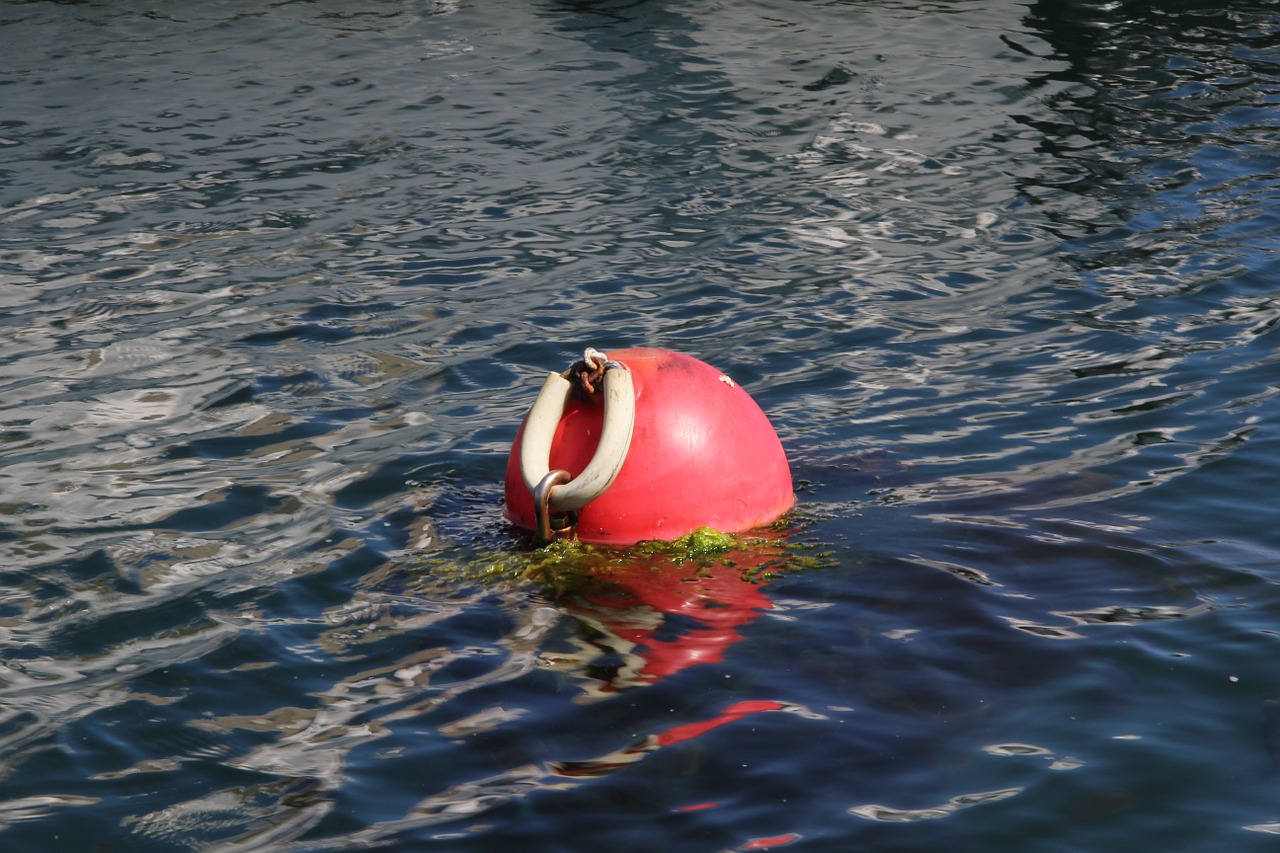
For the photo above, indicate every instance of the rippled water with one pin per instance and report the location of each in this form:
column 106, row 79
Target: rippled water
column 280, row 280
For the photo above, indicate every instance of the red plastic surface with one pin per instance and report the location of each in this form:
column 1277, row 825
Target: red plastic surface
column 702, row 454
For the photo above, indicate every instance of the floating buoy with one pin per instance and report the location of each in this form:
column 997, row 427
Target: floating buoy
column 644, row 444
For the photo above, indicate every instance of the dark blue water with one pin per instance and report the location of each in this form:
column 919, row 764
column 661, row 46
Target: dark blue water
column 279, row 281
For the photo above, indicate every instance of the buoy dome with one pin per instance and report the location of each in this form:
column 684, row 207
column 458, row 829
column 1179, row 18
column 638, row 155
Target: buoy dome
column 702, row 454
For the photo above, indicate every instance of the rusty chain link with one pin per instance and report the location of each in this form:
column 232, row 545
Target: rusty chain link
column 587, row 374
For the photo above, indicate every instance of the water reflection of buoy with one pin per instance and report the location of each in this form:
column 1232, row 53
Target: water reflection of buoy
column 652, row 617
column 605, row 765
column 644, row 444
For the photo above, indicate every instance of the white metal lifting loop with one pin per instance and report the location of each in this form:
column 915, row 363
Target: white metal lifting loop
column 611, row 450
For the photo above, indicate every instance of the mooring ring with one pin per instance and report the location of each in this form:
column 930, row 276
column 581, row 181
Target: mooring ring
column 611, row 451
column 542, row 501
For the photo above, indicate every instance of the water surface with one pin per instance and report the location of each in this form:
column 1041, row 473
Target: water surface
column 279, row 282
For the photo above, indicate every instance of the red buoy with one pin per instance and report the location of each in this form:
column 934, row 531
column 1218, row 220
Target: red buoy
column 668, row 445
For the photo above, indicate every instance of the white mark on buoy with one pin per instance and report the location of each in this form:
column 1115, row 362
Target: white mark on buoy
column 727, row 381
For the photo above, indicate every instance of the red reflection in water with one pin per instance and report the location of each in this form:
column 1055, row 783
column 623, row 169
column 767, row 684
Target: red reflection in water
column 736, row 711
column 671, row 617
column 652, row 619
column 772, row 841
column 615, row 761
column 642, row 623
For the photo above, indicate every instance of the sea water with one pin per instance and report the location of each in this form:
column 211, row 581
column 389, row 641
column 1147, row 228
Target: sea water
column 280, row 280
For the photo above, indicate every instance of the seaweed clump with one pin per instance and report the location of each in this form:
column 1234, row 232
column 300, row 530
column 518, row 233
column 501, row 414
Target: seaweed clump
column 564, row 565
